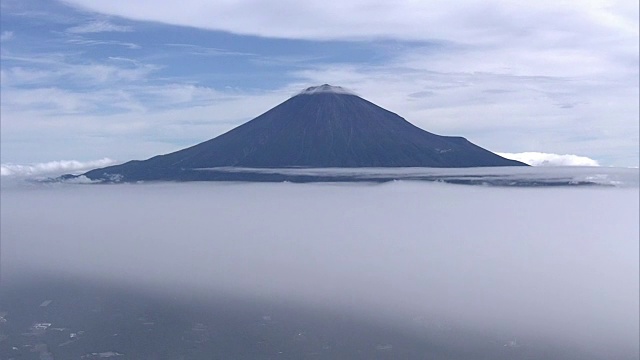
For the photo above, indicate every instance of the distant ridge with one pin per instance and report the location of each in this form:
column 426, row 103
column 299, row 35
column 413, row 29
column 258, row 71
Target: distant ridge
column 322, row 126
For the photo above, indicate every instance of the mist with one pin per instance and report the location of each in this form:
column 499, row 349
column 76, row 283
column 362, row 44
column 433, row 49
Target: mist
column 541, row 265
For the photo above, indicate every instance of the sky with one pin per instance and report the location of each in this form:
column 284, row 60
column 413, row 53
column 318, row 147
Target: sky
column 86, row 82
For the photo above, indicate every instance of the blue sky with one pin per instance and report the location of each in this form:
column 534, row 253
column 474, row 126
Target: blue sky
column 86, row 80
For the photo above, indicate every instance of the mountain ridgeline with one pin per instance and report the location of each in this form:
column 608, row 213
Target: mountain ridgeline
column 323, row 126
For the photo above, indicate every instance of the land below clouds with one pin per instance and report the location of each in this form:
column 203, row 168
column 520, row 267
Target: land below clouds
column 70, row 317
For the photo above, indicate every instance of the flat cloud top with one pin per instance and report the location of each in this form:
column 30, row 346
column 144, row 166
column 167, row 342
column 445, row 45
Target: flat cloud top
column 546, row 159
column 526, row 263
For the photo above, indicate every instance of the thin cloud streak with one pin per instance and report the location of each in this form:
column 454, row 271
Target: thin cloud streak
column 92, row 42
column 98, row 26
column 208, row 51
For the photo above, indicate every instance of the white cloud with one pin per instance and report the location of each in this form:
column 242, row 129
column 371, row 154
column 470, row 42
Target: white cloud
column 487, row 21
column 545, row 159
column 80, row 180
column 53, row 167
column 6, row 36
column 54, row 69
column 98, row 26
column 541, row 38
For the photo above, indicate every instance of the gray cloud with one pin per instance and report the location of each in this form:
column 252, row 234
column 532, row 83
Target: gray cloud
column 539, row 265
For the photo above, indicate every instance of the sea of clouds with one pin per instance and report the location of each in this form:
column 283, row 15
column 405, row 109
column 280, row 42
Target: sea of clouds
column 556, row 265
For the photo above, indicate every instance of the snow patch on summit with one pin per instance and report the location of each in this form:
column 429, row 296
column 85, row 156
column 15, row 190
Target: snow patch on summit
column 325, row 88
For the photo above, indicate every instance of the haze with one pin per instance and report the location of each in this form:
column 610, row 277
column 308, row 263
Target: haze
column 553, row 266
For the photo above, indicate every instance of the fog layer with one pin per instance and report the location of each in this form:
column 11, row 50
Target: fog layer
column 558, row 265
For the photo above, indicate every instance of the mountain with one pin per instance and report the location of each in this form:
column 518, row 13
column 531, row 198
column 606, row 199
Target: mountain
column 320, row 127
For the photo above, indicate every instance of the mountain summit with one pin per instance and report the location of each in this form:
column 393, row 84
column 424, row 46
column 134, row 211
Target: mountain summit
column 322, row 126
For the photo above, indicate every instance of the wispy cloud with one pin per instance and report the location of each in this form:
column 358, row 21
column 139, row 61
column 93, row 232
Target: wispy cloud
column 208, row 51
column 98, row 26
column 93, row 42
column 53, row 167
column 545, row 159
column 6, row 36
column 61, row 69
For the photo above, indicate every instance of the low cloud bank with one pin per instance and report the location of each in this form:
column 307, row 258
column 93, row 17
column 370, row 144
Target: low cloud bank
column 53, row 167
column 547, row 159
column 543, row 266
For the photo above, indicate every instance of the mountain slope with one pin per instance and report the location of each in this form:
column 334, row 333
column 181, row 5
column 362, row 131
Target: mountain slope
column 322, row 126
